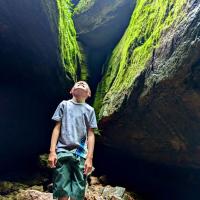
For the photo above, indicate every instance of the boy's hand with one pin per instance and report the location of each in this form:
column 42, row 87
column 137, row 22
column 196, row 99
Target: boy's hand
column 88, row 166
column 52, row 159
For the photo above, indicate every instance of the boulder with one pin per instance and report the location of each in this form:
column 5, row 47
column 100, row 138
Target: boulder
column 34, row 195
column 99, row 192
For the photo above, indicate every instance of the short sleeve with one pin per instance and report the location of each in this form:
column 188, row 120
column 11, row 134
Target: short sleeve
column 92, row 120
column 58, row 114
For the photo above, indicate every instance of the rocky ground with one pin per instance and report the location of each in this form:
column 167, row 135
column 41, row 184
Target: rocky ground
column 39, row 187
column 96, row 190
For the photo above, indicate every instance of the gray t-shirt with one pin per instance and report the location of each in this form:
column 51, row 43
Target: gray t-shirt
column 75, row 119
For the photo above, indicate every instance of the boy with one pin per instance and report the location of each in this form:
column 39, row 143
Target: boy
column 72, row 144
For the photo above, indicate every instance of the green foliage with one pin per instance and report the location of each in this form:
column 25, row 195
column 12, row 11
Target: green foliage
column 71, row 56
column 83, row 6
column 149, row 20
column 9, row 190
column 43, row 160
column 97, row 131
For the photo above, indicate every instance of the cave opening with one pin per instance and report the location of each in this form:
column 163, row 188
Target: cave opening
column 99, row 31
column 32, row 79
column 33, row 83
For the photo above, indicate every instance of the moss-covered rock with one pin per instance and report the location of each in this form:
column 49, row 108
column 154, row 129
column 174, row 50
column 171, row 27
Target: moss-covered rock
column 71, row 56
column 129, row 58
column 43, row 160
column 9, row 190
column 7, row 187
column 83, row 6
column 148, row 98
column 31, row 72
column 38, row 49
column 60, row 13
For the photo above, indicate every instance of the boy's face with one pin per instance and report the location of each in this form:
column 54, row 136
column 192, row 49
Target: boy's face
column 81, row 90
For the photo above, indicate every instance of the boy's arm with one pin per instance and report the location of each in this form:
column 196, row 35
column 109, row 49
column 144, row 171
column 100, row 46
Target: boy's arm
column 54, row 139
column 91, row 142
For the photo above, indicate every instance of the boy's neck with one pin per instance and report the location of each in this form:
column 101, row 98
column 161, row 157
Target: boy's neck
column 78, row 100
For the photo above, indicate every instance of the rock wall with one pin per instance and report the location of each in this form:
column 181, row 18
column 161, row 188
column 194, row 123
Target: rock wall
column 33, row 75
column 148, row 97
column 71, row 55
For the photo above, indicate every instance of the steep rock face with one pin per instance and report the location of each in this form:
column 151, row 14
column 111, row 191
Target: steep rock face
column 149, row 96
column 100, row 22
column 71, row 56
column 33, row 77
column 100, row 25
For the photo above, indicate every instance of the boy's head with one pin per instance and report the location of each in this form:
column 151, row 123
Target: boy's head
column 81, row 90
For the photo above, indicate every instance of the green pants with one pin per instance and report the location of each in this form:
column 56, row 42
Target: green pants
column 68, row 178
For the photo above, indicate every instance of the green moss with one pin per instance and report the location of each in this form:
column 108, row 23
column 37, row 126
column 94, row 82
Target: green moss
column 9, row 190
column 43, row 160
column 150, row 18
column 83, row 6
column 71, row 56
